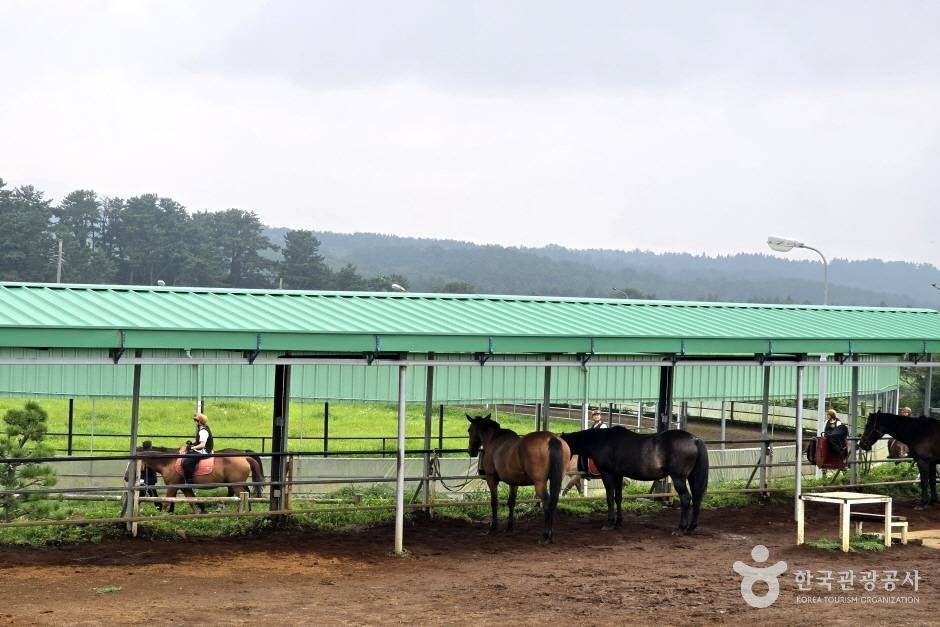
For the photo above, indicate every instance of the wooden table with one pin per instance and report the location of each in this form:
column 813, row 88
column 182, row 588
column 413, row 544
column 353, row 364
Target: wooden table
column 845, row 501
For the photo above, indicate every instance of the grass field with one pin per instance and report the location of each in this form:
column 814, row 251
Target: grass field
column 247, row 424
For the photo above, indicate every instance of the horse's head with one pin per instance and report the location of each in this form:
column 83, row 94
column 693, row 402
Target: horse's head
column 479, row 426
column 874, row 430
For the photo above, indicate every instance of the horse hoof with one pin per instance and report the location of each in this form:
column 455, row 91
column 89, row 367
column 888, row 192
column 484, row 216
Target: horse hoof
column 677, row 532
column 608, row 527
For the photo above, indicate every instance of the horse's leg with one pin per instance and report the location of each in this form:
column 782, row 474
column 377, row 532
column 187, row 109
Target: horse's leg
column 925, row 469
column 685, row 502
column 198, row 508
column 493, row 482
column 618, row 497
column 541, row 492
column 171, row 505
column 608, row 480
column 512, row 507
column 933, row 482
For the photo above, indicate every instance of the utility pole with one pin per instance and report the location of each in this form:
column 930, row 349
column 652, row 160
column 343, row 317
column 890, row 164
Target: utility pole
column 58, row 268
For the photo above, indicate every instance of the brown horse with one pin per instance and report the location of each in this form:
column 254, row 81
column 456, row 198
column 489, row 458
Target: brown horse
column 231, row 470
column 538, row 459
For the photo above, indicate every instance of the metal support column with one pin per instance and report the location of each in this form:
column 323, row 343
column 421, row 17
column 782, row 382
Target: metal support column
column 664, row 411
column 428, row 423
column 764, row 448
column 547, row 398
column 664, row 404
column 400, row 464
column 724, row 426
column 279, row 424
column 132, row 503
column 853, row 423
column 584, row 401
column 798, row 491
column 928, row 388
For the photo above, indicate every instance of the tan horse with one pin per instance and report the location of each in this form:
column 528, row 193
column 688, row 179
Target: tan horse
column 538, row 459
column 231, row 470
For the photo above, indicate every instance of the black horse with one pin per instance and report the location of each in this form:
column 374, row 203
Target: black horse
column 619, row 452
column 921, row 435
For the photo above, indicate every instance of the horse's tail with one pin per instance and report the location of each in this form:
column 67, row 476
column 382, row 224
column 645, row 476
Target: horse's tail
column 556, row 472
column 257, row 473
column 698, row 478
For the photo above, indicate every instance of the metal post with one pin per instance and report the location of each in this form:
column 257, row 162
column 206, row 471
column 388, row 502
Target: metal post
column 547, row 398
column 664, row 404
column 440, row 427
column 538, row 416
column 326, row 428
column 584, row 400
column 71, row 419
column 853, row 424
column 639, row 414
column 765, row 411
column 428, row 422
column 798, row 504
column 400, row 464
column 664, row 411
column 928, row 388
column 133, row 470
column 198, row 388
column 724, row 425
column 821, row 405
column 279, row 424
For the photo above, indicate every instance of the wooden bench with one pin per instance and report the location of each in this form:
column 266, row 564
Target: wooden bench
column 897, row 522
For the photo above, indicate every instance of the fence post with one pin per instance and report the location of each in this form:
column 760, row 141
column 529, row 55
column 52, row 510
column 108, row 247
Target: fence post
column 326, row 428
column 71, row 416
column 440, row 427
column 538, row 416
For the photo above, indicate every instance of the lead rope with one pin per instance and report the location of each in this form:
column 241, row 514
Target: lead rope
column 436, row 473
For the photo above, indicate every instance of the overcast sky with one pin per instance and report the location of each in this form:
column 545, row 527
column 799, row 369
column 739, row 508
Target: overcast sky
column 697, row 127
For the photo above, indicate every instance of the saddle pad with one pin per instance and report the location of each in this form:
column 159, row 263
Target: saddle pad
column 827, row 457
column 204, row 467
column 592, row 468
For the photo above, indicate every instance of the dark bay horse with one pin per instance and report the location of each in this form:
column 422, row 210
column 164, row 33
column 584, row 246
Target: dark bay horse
column 922, row 437
column 538, row 459
column 618, row 452
column 234, row 470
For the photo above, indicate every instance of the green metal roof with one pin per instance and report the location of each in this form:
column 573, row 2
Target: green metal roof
column 92, row 316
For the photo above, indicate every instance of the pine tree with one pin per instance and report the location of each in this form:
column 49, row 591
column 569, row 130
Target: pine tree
column 23, row 440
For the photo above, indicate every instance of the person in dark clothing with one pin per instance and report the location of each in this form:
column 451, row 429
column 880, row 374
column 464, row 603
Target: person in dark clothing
column 836, row 433
column 201, row 446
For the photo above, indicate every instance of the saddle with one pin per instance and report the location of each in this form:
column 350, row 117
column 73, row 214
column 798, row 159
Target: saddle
column 587, row 466
column 204, row 467
column 822, row 454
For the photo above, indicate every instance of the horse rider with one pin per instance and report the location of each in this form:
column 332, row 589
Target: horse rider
column 597, row 420
column 836, row 432
column 906, row 412
column 200, row 447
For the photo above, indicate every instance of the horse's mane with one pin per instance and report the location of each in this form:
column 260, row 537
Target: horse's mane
column 147, row 445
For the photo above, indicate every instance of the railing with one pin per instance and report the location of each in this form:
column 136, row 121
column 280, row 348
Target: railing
column 262, row 439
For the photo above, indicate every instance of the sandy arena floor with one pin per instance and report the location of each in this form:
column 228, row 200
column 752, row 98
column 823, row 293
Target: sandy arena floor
column 454, row 574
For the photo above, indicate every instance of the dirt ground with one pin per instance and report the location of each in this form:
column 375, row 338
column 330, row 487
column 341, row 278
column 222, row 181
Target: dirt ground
column 453, row 574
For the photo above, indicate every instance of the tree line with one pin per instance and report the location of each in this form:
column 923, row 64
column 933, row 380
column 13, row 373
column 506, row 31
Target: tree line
column 149, row 238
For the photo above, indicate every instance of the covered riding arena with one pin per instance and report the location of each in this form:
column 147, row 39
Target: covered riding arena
column 467, row 350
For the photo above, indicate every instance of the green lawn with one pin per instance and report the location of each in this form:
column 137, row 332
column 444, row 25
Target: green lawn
column 169, row 423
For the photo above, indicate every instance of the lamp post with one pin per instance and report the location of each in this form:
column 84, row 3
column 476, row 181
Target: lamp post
column 784, row 245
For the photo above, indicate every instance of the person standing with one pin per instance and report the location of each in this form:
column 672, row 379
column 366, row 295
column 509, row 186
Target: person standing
column 597, row 420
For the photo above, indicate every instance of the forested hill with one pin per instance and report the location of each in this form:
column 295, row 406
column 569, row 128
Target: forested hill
column 446, row 265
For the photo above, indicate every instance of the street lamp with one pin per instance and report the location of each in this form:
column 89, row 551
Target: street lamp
column 783, row 245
